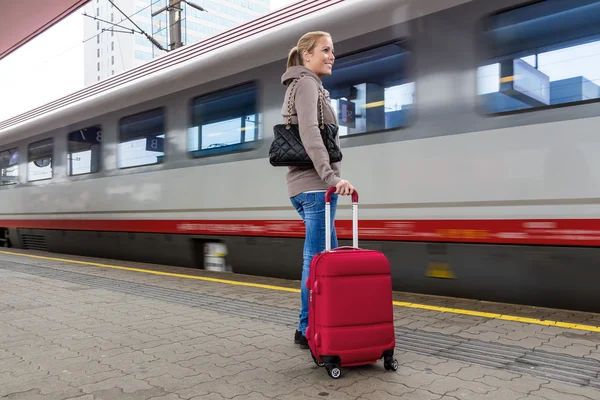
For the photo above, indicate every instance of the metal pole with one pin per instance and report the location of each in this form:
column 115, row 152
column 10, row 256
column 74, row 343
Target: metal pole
column 175, row 24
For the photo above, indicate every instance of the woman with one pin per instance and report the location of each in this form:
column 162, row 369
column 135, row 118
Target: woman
column 307, row 63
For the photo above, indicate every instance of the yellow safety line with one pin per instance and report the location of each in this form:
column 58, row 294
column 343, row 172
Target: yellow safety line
column 514, row 318
column 590, row 328
column 201, row 278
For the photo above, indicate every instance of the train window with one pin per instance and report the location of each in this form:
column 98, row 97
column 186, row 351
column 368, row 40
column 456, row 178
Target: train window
column 371, row 90
column 84, row 151
column 9, row 167
column 39, row 156
column 141, row 139
column 541, row 55
column 225, row 121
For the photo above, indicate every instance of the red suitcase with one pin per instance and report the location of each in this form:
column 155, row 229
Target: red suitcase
column 350, row 315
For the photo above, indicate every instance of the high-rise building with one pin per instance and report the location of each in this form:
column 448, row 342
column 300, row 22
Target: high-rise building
column 111, row 49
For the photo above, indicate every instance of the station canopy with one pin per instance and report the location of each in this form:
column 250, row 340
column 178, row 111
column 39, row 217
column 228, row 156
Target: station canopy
column 23, row 20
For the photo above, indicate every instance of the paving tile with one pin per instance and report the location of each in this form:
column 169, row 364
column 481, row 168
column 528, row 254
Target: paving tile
column 66, row 340
column 500, row 394
column 570, row 390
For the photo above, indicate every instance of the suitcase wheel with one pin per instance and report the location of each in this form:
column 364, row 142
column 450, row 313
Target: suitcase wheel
column 333, row 371
column 319, row 363
column 390, row 363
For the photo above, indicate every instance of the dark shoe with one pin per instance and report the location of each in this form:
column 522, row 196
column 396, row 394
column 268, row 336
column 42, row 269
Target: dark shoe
column 301, row 340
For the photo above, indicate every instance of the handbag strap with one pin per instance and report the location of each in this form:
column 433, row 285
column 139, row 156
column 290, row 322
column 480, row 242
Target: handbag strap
column 291, row 96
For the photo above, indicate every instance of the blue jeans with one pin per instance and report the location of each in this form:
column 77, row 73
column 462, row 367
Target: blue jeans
column 311, row 207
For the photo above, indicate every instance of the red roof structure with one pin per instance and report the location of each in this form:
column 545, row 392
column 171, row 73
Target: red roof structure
column 23, row 20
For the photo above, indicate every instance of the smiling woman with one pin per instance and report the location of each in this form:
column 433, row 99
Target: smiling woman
column 307, row 105
column 321, row 57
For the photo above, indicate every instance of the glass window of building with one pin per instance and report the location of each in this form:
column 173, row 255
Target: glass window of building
column 141, row 139
column 371, row 90
column 9, row 167
column 39, row 156
column 541, row 55
column 84, row 149
column 224, row 121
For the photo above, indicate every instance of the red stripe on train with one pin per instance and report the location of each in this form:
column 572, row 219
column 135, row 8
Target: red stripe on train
column 573, row 232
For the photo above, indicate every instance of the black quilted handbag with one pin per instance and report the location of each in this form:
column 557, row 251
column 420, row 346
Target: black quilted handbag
column 287, row 149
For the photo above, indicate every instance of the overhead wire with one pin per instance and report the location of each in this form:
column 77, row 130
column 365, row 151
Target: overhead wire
column 98, row 34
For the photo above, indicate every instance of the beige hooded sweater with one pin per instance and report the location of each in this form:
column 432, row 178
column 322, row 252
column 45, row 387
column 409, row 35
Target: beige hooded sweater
column 305, row 113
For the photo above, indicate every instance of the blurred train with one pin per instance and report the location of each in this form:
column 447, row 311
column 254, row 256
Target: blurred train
column 470, row 130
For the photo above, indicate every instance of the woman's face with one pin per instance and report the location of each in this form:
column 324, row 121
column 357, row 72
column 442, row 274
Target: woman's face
column 321, row 60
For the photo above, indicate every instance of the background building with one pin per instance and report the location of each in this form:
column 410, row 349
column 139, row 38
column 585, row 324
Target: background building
column 109, row 49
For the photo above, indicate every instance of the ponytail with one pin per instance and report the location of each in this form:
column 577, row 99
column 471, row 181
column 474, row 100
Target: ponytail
column 306, row 44
column 294, row 58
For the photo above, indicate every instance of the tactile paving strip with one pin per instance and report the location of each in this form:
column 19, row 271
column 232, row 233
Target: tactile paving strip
column 563, row 367
column 566, row 368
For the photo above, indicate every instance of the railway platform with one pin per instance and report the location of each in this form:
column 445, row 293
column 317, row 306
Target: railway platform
column 94, row 329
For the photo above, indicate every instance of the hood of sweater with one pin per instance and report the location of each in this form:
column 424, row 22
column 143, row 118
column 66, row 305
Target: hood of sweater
column 295, row 72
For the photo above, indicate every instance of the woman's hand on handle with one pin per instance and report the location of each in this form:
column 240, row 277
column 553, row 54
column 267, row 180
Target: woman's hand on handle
column 344, row 188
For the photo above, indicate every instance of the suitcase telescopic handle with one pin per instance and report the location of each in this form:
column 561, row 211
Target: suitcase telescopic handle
column 328, row 194
column 331, row 191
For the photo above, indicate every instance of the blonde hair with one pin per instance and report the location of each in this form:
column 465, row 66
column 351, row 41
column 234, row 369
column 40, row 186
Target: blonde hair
column 306, row 43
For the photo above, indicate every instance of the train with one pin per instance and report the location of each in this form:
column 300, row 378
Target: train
column 468, row 127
